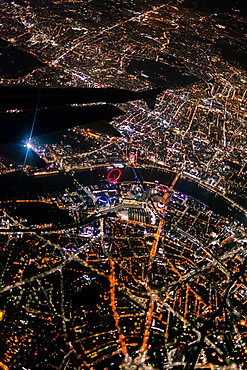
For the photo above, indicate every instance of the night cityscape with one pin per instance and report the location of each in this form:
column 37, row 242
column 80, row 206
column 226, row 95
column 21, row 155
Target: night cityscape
column 123, row 196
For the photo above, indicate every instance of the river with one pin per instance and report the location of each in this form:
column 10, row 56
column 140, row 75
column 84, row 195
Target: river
column 18, row 185
column 14, row 62
column 161, row 74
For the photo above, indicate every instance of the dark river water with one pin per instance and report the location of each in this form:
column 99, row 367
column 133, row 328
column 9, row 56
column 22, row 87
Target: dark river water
column 160, row 74
column 14, row 62
column 38, row 213
column 19, row 185
column 233, row 54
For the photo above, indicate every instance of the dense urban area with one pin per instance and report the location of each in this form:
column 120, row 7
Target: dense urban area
column 128, row 250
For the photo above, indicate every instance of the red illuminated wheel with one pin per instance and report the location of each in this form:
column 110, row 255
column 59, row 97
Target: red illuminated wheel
column 114, row 175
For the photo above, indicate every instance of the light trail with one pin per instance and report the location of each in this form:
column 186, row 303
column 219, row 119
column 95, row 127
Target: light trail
column 3, row 366
column 153, row 250
column 149, row 318
column 114, row 308
column 192, row 119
